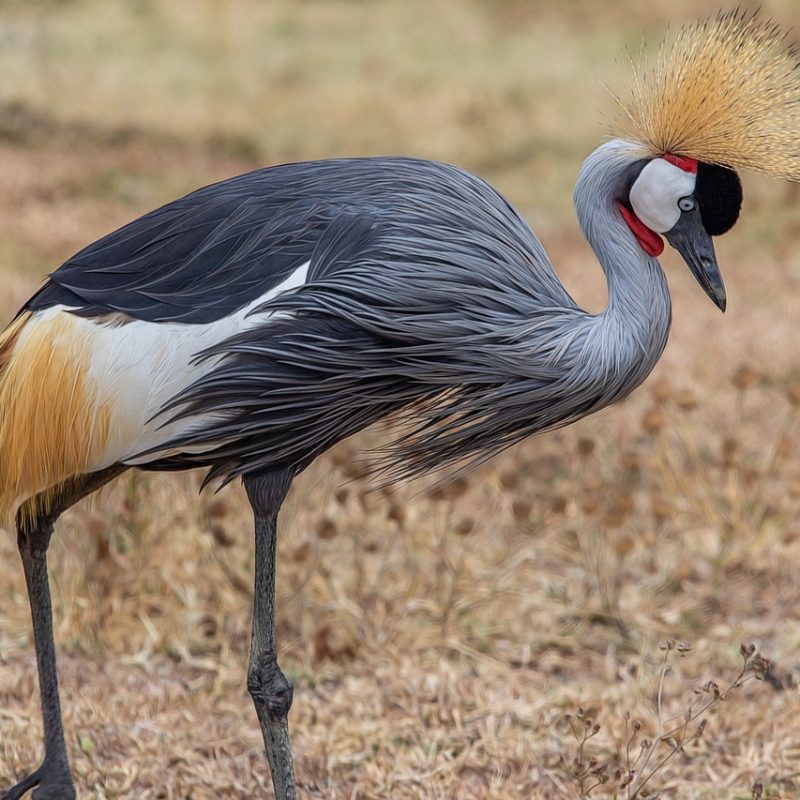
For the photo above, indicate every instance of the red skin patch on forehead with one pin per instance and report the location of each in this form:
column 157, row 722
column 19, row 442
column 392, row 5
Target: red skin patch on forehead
column 648, row 240
column 686, row 164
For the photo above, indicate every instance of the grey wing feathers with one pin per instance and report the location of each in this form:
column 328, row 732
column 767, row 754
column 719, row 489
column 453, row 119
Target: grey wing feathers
column 212, row 252
column 194, row 261
column 423, row 297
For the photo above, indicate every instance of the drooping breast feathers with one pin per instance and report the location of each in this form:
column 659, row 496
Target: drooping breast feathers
column 725, row 91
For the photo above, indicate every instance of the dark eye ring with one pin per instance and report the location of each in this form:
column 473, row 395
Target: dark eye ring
column 687, row 204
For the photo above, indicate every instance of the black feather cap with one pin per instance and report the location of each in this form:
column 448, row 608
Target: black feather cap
column 719, row 195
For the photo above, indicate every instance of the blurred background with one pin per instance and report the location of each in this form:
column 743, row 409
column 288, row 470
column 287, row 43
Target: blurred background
column 437, row 633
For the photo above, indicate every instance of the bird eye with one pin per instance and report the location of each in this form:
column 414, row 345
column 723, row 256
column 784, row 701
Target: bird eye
column 687, row 204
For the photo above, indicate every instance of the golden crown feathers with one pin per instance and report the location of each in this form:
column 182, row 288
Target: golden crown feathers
column 726, row 91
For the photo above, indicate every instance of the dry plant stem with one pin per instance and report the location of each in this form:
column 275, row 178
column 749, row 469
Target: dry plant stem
column 268, row 686
column 690, row 715
column 641, row 778
column 585, row 770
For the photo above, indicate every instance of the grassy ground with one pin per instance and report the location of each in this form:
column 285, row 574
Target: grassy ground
column 439, row 637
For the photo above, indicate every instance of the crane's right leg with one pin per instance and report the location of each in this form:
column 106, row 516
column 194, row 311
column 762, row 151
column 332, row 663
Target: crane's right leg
column 268, row 686
column 52, row 778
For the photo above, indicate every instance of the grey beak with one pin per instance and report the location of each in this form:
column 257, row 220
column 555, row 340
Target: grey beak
column 691, row 240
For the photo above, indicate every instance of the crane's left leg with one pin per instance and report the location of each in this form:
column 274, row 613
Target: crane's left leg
column 52, row 778
column 268, row 686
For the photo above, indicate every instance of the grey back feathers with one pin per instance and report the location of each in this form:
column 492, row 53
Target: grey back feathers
column 428, row 297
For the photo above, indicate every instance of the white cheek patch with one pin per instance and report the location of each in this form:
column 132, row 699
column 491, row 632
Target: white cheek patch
column 655, row 193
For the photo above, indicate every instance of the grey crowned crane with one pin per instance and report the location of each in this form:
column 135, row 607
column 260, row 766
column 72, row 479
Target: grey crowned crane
column 250, row 325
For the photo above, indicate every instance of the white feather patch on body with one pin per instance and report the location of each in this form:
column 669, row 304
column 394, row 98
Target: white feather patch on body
column 139, row 366
column 655, row 193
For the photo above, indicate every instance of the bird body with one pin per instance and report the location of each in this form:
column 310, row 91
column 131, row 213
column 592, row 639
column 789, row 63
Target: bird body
column 387, row 293
column 252, row 324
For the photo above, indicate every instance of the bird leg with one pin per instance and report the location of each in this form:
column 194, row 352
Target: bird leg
column 52, row 778
column 268, row 686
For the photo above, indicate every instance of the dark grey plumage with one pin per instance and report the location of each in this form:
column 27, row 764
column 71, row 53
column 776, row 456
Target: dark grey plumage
column 424, row 292
column 201, row 257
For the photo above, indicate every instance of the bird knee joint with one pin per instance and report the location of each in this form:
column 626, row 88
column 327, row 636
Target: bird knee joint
column 272, row 689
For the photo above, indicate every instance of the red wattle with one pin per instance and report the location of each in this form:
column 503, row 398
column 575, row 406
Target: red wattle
column 649, row 240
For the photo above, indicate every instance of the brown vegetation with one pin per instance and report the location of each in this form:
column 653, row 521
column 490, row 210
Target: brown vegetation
column 440, row 635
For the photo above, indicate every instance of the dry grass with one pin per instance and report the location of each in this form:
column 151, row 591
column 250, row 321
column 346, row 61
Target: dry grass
column 438, row 637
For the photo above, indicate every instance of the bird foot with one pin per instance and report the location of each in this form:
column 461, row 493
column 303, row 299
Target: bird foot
column 50, row 782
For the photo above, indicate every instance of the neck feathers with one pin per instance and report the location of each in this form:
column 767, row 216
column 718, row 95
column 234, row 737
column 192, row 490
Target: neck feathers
column 626, row 340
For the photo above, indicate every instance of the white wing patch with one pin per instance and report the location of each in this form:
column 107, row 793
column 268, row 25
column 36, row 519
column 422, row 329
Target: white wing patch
column 655, row 193
column 139, row 366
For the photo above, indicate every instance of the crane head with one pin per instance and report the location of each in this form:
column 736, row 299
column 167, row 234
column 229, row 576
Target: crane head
column 687, row 202
column 722, row 94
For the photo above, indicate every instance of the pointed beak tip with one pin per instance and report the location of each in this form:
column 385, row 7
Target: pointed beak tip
column 694, row 243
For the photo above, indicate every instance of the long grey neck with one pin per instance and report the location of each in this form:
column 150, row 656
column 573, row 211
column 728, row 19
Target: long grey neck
column 626, row 340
